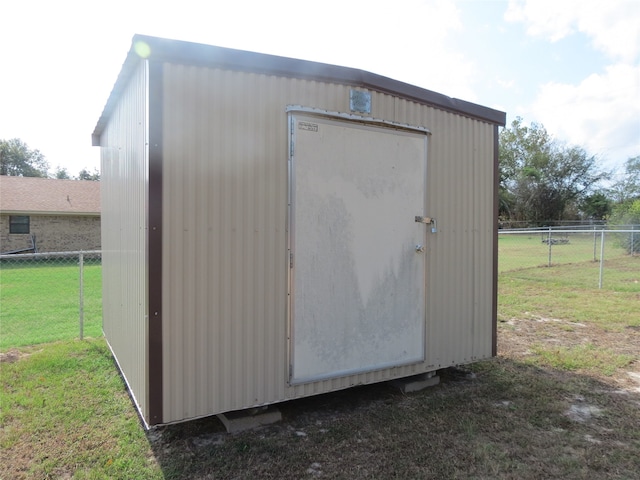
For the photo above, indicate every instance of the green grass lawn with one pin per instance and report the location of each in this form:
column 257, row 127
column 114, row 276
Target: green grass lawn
column 517, row 251
column 40, row 302
column 571, row 292
column 66, row 414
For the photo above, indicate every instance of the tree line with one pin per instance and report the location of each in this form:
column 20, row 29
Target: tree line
column 17, row 159
column 543, row 181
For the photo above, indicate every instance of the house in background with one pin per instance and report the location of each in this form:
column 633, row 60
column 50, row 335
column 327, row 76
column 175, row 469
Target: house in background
column 48, row 215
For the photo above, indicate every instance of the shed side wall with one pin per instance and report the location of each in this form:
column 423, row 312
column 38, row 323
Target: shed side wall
column 124, row 167
column 224, row 237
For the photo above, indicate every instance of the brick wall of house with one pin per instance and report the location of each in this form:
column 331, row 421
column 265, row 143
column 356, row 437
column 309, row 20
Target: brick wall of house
column 54, row 233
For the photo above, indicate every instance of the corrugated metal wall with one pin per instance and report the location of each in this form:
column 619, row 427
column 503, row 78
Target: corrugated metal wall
column 225, row 143
column 124, row 166
column 225, row 201
column 460, row 272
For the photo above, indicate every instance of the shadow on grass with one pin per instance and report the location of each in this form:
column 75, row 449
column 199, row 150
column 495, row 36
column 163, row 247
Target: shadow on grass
column 499, row 419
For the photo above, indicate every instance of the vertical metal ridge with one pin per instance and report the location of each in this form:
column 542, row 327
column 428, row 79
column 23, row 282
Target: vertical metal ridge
column 212, row 376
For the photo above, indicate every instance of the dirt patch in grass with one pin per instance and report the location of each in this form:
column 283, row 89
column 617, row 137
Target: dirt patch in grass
column 611, row 356
column 14, row 354
column 10, row 356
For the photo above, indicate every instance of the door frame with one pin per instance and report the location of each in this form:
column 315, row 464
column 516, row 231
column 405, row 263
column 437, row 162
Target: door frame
column 291, row 111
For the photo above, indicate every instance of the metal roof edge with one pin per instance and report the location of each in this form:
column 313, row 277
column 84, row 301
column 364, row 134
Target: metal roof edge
column 167, row 50
column 129, row 65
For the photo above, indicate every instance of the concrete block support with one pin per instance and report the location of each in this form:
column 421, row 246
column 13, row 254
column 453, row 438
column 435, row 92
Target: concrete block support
column 241, row 420
column 417, row 382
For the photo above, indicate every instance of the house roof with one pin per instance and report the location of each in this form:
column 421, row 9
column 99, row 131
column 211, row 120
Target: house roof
column 32, row 195
column 187, row 53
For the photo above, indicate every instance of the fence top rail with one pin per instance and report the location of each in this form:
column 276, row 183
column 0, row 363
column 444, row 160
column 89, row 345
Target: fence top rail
column 50, row 254
column 539, row 231
column 573, row 226
column 582, row 228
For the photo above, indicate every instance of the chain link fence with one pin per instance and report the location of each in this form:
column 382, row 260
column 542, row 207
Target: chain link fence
column 553, row 246
column 46, row 297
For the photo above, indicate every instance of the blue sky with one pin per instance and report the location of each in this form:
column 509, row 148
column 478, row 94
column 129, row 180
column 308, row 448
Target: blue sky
column 573, row 66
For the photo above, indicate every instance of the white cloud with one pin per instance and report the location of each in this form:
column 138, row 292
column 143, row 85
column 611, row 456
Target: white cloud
column 544, row 18
column 612, row 26
column 602, row 113
column 506, row 84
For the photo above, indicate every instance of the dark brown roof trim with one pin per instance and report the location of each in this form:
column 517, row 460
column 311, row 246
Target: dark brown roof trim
column 177, row 51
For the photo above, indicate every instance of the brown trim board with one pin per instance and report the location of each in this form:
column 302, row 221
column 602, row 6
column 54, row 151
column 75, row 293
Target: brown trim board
column 155, row 392
column 496, row 205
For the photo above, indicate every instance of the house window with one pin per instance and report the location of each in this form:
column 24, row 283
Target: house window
column 18, row 224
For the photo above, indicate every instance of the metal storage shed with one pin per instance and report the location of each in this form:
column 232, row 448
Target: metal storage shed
column 275, row 228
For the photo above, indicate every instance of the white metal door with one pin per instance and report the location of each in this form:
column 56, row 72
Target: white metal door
column 357, row 270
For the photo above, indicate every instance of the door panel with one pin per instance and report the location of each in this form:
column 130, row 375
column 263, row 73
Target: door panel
column 357, row 284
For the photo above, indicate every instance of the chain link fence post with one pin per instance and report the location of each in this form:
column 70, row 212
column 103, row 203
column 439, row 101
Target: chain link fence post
column 549, row 241
column 81, row 265
column 601, row 259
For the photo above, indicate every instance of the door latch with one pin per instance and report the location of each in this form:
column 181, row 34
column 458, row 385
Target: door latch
column 428, row 221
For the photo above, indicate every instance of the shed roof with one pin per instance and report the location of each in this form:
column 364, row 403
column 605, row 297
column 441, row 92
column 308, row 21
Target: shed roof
column 177, row 51
column 32, row 195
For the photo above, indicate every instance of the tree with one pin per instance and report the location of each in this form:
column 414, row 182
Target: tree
column 628, row 214
column 517, row 144
column 17, row 159
column 540, row 177
column 596, row 206
column 61, row 173
column 86, row 175
column 629, row 187
column 627, row 210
